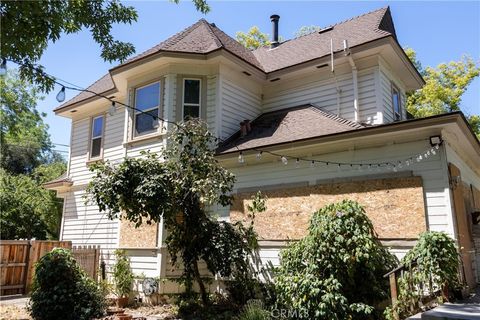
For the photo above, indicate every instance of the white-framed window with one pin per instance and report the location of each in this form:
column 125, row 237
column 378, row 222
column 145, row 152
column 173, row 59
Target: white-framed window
column 396, row 103
column 96, row 142
column 147, row 105
column 192, row 89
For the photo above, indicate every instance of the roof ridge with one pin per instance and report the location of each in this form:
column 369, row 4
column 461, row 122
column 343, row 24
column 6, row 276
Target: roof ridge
column 336, row 117
column 333, row 25
column 210, row 30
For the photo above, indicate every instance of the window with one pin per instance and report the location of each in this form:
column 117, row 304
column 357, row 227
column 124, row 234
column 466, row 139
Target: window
column 97, row 137
column 396, row 103
column 191, row 98
column 147, row 105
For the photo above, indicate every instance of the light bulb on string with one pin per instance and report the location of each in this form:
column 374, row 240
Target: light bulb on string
column 61, row 95
column 259, row 155
column 241, row 159
column 312, row 164
column 433, row 151
column 297, row 163
column 437, row 146
column 284, row 160
column 113, row 109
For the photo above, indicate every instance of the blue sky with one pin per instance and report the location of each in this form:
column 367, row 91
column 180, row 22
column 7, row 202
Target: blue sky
column 439, row 31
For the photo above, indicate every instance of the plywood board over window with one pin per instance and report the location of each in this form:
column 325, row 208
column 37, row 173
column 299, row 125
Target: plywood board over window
column 145, row 236
column 395, row 206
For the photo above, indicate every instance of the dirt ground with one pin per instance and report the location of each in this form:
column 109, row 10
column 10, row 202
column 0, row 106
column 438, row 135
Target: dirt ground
column 164, row 312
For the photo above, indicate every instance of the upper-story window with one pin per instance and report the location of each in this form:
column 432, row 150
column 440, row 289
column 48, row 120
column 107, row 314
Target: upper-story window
column 396, row 103
column 96, row 144
column 191, row 98
column 147, row 105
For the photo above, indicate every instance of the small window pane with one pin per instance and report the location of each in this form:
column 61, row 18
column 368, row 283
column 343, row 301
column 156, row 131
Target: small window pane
column 396, row 104
column 191, row 112
column 192, row 91
column 146, row 123
column 148, row 97
column 96, row 147
column 97, row 127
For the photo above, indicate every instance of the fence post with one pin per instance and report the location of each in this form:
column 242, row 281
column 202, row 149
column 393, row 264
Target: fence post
column 393, row 292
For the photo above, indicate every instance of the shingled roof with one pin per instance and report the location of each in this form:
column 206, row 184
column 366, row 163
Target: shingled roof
column 288, row 125
column 362, row 29
column 204, row 37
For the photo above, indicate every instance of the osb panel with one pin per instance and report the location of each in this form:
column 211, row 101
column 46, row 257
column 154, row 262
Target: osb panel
column 395, row 206
column 144, row 236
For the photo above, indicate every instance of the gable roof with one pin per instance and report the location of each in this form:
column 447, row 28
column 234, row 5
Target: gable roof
column 288, row 125
column 359, row 30
column 204, row 37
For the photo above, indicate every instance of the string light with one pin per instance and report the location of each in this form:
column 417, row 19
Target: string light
column 241, row 159
column 61, row 95
column 379, row 166
column 113, row 109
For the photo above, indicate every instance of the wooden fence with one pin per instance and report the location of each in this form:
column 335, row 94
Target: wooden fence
column 18, row 258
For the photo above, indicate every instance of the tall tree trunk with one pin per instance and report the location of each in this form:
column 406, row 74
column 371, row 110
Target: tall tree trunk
column 201, row 285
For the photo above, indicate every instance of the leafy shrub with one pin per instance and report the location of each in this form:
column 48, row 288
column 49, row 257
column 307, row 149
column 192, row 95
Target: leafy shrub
column 434, row 265
column 336, row 271
column 62, row 290
column 122, row 274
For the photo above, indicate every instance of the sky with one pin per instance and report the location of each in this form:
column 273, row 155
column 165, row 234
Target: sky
column 439, row 31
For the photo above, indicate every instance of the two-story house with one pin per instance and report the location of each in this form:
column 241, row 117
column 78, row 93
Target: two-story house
column 308, row 121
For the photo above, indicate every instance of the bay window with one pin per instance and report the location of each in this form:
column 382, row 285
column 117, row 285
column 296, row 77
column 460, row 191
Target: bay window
column 191, row 98
column 147, row 109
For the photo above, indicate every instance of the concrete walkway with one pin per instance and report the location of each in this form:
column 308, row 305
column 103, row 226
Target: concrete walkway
column 17, row 300
column 466, row 311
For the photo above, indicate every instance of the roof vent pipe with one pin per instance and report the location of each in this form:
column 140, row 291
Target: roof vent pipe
column 274, row 18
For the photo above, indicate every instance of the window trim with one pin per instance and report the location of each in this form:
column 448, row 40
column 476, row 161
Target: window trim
column 90, row 136
column 192, row 104
column 400, row 109
column 134, row 112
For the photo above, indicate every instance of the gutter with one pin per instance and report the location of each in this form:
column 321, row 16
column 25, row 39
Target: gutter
column 348, row 54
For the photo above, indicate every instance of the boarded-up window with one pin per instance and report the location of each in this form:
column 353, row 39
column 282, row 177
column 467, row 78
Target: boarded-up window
column 395, row 206
column 144, row 236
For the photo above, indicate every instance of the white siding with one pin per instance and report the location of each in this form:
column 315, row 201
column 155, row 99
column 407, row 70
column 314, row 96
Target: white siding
column 79, row 171
column 238, row 104
column 113, row 149
column 211, row 102
column 386, row 80
column 468, row 175
column 323, row 93
column 432, row 170
column 83, row 224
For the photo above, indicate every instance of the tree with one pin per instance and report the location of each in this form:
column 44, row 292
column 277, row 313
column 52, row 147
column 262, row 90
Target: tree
column 25, row 142
column 27, row 160
column 336, row 271
column 305, row 30
column 180, row 190
column 444, row 87
column 27, row 210
column 253, row 39
column 28, row 26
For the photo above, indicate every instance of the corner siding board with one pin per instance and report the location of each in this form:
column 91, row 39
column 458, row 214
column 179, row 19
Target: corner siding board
column 238, row 104
column 211, row 98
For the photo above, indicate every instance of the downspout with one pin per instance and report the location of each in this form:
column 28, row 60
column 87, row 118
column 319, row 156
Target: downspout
column 337, row 88
column 354, row 77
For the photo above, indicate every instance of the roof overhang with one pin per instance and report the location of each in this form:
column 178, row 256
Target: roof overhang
column 448, row 125
column 58, row 186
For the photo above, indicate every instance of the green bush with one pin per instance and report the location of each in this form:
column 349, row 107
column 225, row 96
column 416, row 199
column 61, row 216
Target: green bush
column 62, row 290
column 434, row 265
column 122, row 274
column 336, row 271
column 254, row 310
